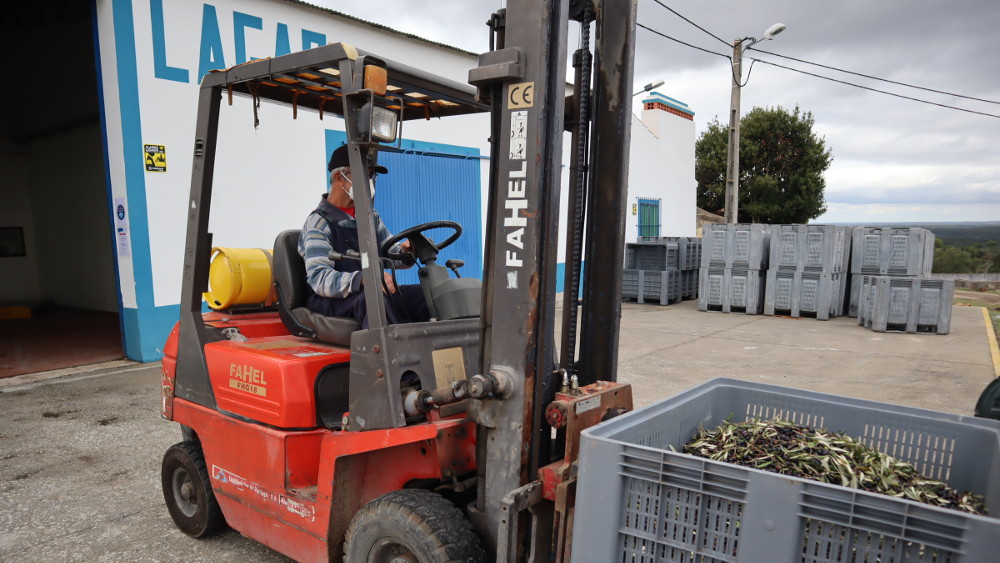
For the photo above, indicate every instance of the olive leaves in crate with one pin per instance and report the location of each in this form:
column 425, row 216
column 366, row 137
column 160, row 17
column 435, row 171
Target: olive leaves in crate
column 829, row 457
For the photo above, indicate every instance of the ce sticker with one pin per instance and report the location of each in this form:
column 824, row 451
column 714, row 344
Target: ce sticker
column 521, row 95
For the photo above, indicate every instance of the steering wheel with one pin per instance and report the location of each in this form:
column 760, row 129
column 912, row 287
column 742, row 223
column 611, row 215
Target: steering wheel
column 420, row 244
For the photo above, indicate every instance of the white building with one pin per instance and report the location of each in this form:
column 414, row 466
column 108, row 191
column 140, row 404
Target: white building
column 96, row 152
column 662, row 188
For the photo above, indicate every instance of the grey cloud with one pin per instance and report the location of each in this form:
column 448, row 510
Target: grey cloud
column 947, row 46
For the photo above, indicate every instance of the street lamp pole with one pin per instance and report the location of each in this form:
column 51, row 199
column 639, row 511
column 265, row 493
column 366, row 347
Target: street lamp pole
column 733, row 162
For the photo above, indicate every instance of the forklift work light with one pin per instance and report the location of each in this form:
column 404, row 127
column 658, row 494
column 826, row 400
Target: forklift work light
column 377, row 123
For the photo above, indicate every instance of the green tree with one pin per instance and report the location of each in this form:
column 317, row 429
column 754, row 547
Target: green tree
column 781, row 167
column 953, row 260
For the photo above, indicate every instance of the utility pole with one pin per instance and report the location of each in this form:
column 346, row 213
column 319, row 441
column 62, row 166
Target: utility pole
column 733, row 163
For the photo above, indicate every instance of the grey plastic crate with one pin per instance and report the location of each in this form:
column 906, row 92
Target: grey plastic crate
column 906, row 304
column 687, row 257
column 799, row 293
column 731, row 290
column 639, row 501
column 897, row 251
column 657, row 287
column 653, row 256
column 854, row 295
column 689, row 284
column 741, row 245
column 821, row 248
column 865, row 286
column 857, row 291
column 693, row 258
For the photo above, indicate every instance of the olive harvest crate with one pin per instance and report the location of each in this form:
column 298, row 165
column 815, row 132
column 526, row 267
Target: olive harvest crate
column 640, row 501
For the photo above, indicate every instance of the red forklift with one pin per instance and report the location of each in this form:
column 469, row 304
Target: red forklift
column 449, row 440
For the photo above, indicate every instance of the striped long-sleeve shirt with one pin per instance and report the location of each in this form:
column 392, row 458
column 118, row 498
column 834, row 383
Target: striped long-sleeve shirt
column 326, row 277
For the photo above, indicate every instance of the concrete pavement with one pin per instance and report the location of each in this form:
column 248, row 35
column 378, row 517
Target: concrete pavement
column 80, row 454
column 665, row 350
column 80, row 475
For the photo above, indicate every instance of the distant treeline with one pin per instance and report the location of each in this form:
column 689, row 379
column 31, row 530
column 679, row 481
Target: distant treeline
column 966, row 248
column 962, row 236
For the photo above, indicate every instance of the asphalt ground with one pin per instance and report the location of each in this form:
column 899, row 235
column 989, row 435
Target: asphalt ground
column 80, row 453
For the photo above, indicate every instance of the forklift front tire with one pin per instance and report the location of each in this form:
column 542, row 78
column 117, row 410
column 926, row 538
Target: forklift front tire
column 411, row 525
column 187, row 490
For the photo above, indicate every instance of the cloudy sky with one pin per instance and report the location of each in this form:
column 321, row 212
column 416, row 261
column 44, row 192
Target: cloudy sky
column 895, row 160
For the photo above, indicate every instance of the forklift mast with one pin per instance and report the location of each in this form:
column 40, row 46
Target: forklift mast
column 524, row 79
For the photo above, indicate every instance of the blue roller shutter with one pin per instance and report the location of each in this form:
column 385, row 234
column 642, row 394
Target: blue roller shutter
column 431, row 182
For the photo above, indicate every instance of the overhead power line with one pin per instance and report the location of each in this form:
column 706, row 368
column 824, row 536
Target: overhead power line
column 676, row 13
column 665, row 36
column 875, row 89
column 875, row 77
column 717, row 38
column 753, row 60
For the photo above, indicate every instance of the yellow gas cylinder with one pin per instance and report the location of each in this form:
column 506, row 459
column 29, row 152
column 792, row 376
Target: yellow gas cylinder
column 239, row 276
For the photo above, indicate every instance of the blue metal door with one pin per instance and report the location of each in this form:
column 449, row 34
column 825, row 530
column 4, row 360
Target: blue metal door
column 649, row 217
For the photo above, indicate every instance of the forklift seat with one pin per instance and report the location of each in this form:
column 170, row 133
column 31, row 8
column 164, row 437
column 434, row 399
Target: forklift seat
column 292, row 290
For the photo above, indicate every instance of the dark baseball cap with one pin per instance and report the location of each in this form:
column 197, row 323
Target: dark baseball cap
column 339, row 158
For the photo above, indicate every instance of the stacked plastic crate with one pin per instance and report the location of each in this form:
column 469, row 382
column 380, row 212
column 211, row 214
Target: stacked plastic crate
column 888, row 251
column 662, row 270
column 807, row 276
column 905, row 304
column 733, row 263
column 690, row 265
column 890, row 290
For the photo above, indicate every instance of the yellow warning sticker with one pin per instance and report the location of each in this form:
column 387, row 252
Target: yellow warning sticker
column 156, row 158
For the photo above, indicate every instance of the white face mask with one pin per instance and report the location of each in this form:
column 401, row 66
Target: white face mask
column 350, row 188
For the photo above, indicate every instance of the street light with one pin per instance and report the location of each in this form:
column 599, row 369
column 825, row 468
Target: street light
column 649, row 87
column 733, row 162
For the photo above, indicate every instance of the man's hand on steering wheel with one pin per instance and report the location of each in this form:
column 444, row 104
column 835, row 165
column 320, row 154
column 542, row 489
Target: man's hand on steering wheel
column 416, row 244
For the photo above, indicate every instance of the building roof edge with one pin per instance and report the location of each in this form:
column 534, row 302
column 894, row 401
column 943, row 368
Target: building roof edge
column 668, row 101
column 379, row 26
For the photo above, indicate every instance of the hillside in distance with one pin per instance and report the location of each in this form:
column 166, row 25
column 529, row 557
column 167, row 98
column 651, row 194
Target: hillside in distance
column 966, row 233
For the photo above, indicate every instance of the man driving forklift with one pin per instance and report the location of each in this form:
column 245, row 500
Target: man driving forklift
column 337, row 285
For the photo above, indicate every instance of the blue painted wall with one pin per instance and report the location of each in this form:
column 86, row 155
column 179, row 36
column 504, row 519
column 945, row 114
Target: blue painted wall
column 146, row 327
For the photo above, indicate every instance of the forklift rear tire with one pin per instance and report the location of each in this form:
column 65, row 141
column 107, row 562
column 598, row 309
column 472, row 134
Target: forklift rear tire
column 411, row 525
column 187, row 490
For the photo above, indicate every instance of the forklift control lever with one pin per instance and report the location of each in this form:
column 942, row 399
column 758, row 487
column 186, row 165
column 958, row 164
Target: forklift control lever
column 349, row 255
column 455, row 264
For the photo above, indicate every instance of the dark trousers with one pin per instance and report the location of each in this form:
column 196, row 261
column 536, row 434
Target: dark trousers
column 406, row 305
